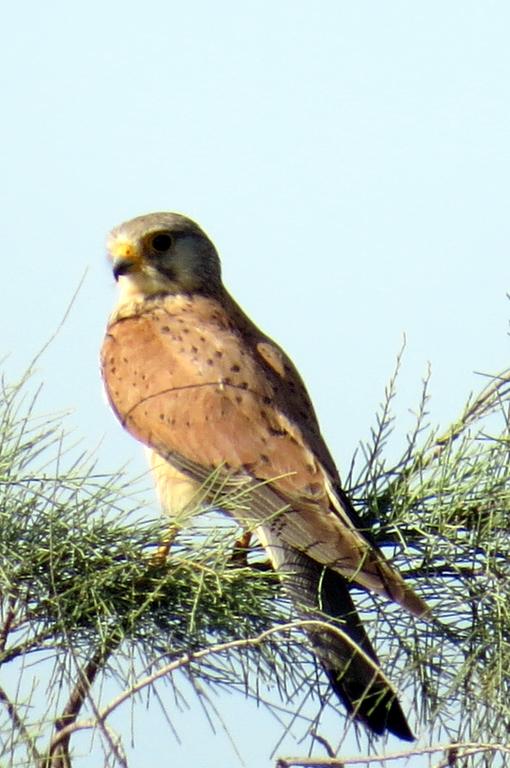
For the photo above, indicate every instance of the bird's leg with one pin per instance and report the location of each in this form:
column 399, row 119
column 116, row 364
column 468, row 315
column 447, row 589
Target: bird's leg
column 239, row 555
column 160, row 555
column 240, row 551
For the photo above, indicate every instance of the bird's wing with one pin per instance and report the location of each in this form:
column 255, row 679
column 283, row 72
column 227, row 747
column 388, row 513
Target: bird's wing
column 187, row 382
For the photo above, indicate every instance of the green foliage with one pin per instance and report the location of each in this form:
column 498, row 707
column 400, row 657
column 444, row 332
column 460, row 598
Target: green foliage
column 83, row 588
column 444, row 510
column 80, row 577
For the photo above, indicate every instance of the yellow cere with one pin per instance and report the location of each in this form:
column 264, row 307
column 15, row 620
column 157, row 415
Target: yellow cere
column 123, row 249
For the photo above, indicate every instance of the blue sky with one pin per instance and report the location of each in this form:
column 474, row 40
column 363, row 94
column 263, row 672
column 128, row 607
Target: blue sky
column 351, row 162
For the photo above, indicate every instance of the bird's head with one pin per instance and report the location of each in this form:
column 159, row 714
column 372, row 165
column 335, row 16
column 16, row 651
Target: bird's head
column 163, row 253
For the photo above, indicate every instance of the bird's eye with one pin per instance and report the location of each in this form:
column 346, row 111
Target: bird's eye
column 161, row 243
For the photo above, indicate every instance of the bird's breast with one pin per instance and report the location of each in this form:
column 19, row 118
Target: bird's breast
column 183, row 378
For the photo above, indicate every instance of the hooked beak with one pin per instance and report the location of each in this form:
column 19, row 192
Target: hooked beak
column 125, row 257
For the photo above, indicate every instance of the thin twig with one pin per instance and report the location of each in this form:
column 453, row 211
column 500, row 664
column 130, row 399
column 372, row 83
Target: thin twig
column 59, row 327
column 20, row 726
column 58, row 754
column 10, row 615
column 471, row 748
column 188, row 659
column 480, row 407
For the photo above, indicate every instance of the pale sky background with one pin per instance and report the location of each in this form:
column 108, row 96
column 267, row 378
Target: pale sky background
column 351, row 161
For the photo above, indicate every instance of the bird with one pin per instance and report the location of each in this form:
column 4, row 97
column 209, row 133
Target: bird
column 192, row 378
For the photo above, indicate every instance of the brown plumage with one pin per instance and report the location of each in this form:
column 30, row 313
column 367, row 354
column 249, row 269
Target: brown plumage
column 190, row 376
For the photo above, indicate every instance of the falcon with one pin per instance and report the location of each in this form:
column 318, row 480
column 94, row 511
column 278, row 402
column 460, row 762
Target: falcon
column 190, row 376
